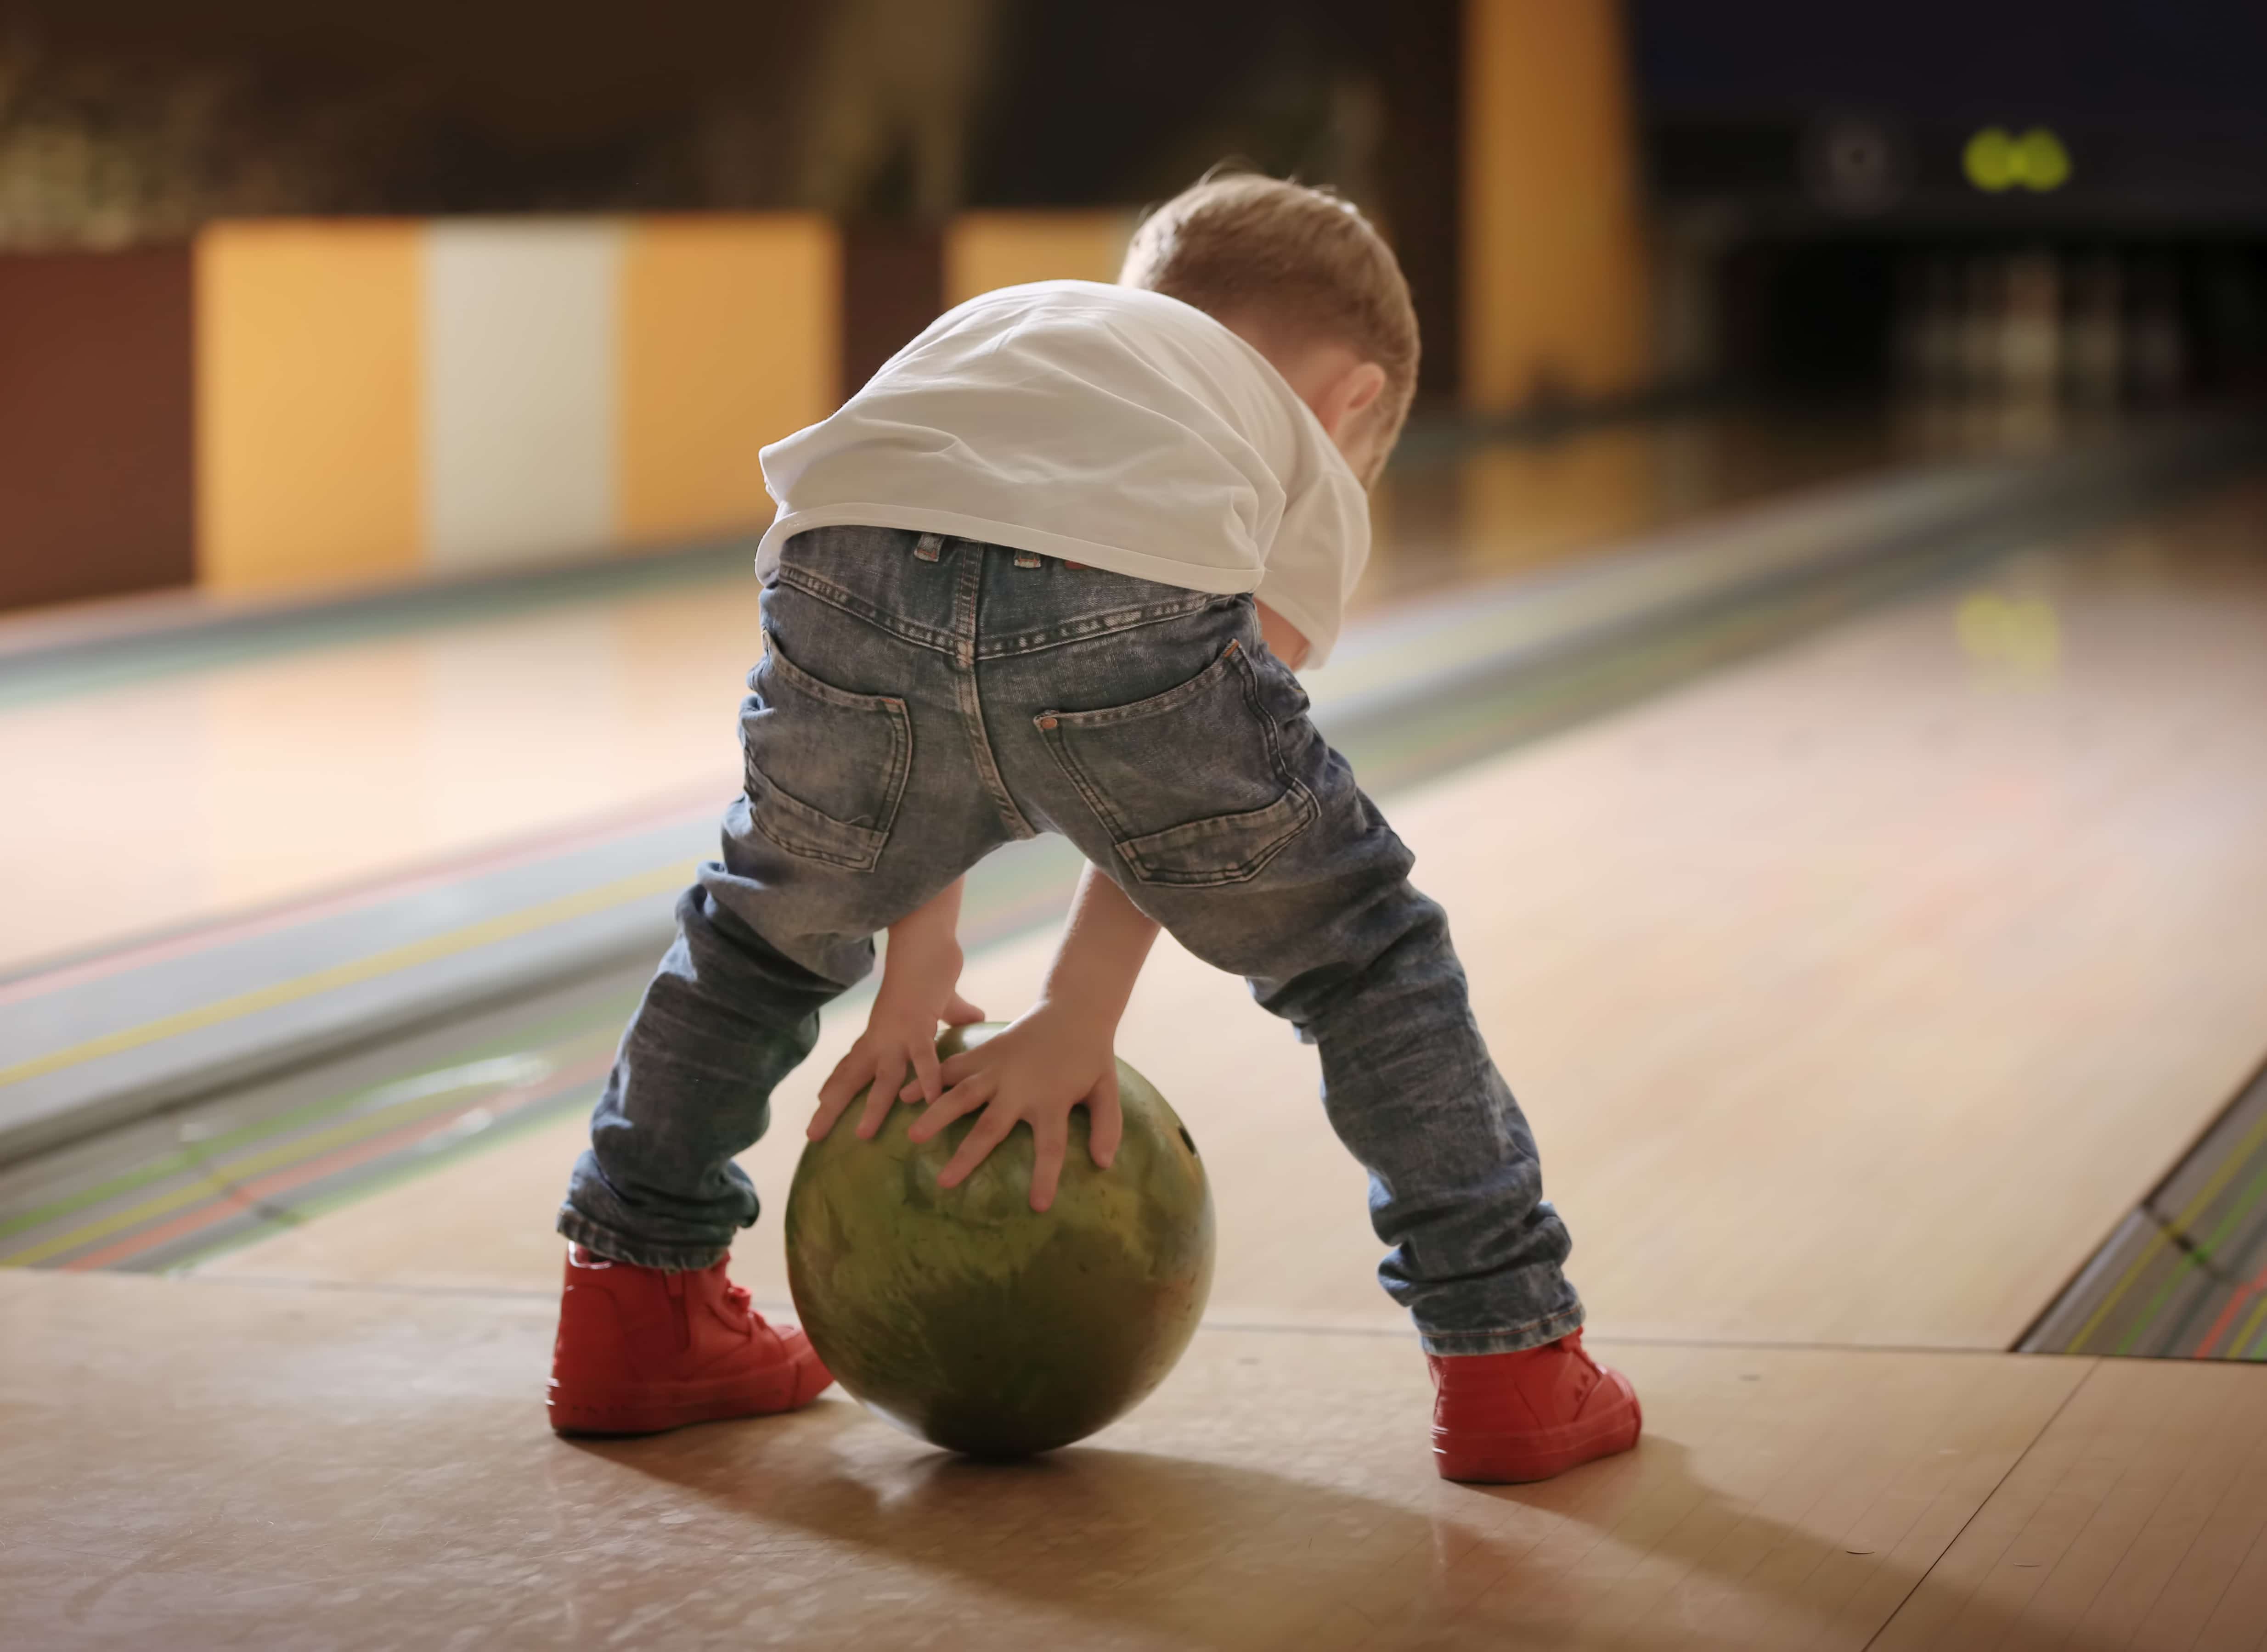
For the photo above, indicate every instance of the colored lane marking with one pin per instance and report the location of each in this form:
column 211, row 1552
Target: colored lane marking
column 431, row 949
column 388, row 1171
column 556, row 1029
column 2243, row 1338
column 239, row 1194
column 274, row 1160
column 39, row 979
column 2193, row 1256
column 2162, row 1236
column 244, row 1197
column 2237, row 1213
column 2236, row 1302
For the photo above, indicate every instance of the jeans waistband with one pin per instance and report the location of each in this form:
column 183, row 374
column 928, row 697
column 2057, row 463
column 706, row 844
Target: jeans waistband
column 973, row 599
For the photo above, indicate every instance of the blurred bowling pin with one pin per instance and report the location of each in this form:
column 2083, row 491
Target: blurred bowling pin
column 2030, row 330
column 2158, row 341
column 1982, row 310
column 2094, row 344
column 1938, row 344
column 1908, row 332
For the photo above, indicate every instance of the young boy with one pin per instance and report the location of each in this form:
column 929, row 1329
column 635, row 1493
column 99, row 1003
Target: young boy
column 1049, row 572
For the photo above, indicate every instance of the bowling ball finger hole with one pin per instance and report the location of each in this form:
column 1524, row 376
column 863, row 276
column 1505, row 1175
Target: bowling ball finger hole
column 1188, row 1140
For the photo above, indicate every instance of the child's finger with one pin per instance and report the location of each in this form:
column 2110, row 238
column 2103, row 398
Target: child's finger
column 1105, row 1124
column 960, row 1012
column 843, row 1083
column 958, row 1070
column 990, row 1131
column 889, row 1071
column 961, row 1098
column 927, row 1072
column 836, row 1095
column 1050, row 1135
column 870, row 1117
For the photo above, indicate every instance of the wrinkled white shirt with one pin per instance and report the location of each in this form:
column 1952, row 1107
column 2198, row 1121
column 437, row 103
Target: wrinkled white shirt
column 1104, row 425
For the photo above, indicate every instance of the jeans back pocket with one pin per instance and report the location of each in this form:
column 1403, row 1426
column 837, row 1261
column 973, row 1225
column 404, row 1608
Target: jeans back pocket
column 1191, row 783
column 826, row 769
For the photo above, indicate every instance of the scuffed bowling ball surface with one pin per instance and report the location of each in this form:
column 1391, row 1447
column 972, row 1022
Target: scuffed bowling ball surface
column 967, row 1318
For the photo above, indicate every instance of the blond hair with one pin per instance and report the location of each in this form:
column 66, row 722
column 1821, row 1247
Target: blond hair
column 1299, row 264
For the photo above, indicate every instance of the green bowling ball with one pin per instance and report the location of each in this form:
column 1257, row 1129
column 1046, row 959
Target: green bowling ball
column 965, row 1317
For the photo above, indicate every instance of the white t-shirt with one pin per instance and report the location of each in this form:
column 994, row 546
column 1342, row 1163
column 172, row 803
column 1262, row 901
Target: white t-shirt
column 1104, row 425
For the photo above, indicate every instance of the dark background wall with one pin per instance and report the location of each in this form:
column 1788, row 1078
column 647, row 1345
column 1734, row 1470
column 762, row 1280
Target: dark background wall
column 95, row 427
column 878, row 111
column 2158, row 104
column 2120, row 60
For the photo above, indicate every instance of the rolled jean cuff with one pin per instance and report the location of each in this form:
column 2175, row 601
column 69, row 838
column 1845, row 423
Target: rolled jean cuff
column 602, row 1241
column 1511, row 1339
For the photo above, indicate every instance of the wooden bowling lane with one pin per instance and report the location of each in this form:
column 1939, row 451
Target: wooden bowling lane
column 2139, row 1518
column 1856, row 994
column 292, row 774
column 379, row 1475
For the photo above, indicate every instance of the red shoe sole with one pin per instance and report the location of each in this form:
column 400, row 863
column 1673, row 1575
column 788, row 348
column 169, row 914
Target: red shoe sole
column 1517, row 1459
column 647, row 1409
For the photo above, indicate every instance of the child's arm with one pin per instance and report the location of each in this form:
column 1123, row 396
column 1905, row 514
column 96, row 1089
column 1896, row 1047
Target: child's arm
column 1284, row 639
column 1059, row 1054
column 918, row 991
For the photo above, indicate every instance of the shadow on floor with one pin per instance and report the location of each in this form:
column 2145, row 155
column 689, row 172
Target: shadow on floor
column 1127, row 1547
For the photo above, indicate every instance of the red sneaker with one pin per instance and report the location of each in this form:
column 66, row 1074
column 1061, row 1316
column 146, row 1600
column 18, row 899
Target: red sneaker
column 640, row 1350
column 1500, row 1419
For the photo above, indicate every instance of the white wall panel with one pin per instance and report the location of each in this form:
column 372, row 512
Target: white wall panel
column 519, row 391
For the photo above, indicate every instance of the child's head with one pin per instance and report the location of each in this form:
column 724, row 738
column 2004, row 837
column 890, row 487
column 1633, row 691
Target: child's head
column 1303, row 278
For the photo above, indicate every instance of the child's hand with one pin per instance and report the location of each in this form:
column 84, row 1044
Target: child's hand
column 917, row 992
column 1285, row 640
column 1054, row 1058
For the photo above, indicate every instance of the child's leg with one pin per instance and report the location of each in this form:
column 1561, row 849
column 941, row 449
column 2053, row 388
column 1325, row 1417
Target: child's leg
column 726, row 1017
column 1200, row 783
column 864, row 799
column 1370, row 977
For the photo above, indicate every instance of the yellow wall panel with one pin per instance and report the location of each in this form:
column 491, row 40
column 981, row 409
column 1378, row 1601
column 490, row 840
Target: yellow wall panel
column 1553, row 266
column 984, row 250
column 730, row 333
column 308, row 394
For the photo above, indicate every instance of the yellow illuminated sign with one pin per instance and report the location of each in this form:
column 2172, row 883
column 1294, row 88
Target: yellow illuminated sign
column 2036, row 160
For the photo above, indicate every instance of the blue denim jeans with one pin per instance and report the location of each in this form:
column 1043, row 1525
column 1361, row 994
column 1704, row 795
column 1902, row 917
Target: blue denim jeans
column 923, row 700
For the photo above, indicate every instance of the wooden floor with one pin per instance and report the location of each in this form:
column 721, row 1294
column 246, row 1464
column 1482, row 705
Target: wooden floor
column 1855, row 994
column 379, row 1476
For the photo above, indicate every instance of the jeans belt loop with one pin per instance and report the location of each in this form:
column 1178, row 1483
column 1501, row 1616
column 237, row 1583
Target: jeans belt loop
column 928, row 547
